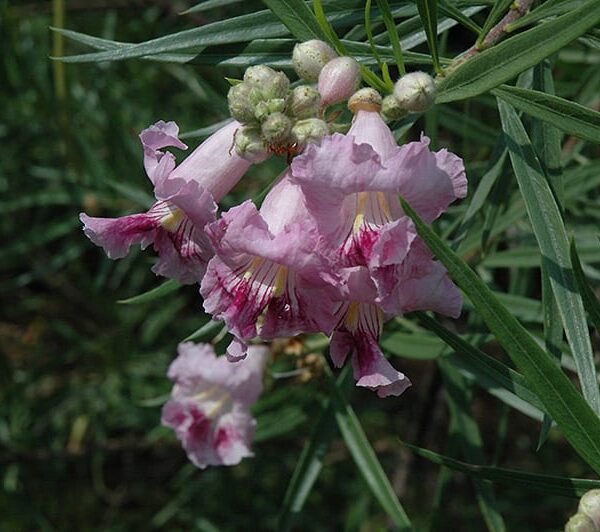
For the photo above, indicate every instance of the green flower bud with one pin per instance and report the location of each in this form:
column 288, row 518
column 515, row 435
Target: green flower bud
column 249, row 144
column 310, row 57
column 269, row 83
column 304, row 102
column 309, row 130
column 365, row 100
column 580, row 523
column 264, row 109
column 276, row 128
column 240, row 105
column 391, row 109
column 589, row 505
column 415, row 92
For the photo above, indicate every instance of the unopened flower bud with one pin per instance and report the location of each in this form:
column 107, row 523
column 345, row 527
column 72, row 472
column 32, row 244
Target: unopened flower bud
column 276, row 128
column 366, row 99
column 589, row 505
column 304, row 102
column 240, row 106
column 310, row 57
column 338, row 80
column 415, row 92
column 580, row 523
column 391, row 109
column 268, row 83
column 249, row 144
column 309, row 130
column 264, row 109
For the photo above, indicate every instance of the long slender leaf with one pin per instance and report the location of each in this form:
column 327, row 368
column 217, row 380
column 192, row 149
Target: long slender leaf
column 367, row 462
column 504, row 61
column 310, row 463
column 564, row 486
column 592, row 305
column 547, row 138
column 487, row 370
column 578, row 422
column 498, row 9
column 393, row 35
column 567, row 116
column 151, row 295
column 296, row 17
column 471, row 442
column 550, row 8
column 428, row 13
column 552, row 238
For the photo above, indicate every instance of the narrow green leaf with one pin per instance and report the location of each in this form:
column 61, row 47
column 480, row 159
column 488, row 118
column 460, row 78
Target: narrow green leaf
column 151, row 295
column 325, row 26
column 578, row 422
column 499, row 8
column 390, row 25
column 367, row 461
column 504, row 61
column 456, row 14
column 428, row 13
column 550, row 8
column 297, row 17
column 489, row 371
column 310, row 463
column 552, row 239
column 209, row 4
column 567, row 116
column 203, row 332
column 592, row 305
column 459, row 402
column 486, row 183
column 547, row 138
column 554, row 485
column 553, row 335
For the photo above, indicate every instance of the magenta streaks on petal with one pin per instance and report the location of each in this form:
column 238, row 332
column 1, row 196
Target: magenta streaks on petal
column 210, row 405
column 117, row 235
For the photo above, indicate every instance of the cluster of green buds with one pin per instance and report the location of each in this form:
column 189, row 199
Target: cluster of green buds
column 278, row 119
column 587, row 518
column 274, row 117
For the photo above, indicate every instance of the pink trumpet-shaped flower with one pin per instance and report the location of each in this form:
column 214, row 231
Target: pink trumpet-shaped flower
column 268, row 276
column 351, row 184
column 209, row 409
column 360, row 321
column 186, row 196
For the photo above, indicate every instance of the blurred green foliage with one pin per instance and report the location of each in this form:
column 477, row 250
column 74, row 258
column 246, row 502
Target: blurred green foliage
column 82, row 378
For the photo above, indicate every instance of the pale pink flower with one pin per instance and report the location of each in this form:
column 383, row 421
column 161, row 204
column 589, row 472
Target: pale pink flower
column 269, row 277
column 209, row 409
column 351, row 184
column 186, row 196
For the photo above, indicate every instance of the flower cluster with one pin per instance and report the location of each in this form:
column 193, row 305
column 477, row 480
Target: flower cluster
column 329, row 250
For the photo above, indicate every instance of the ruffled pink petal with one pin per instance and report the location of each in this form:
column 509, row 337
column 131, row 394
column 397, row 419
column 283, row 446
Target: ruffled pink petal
column 233, row 437
column 433, row 291
column 269, row 267
column 371, row 369
column 428, row 181
column 194, row 429
column 185, row 250
column 159, row 164
column 117, row 235
column 197, row 366
column 329, row 172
